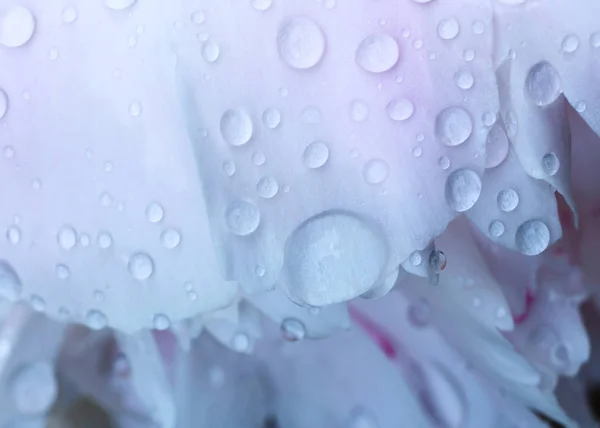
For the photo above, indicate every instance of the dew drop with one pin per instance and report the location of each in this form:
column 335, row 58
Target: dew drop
column 67, row 237
column 170, row 238
column 496, row 229
column 444, row 162
column 261, row 4
column 236, row 127
column 542, row 84
column 69, row 14
column 210, row 51
column 240, row 342
column 508, row 200
column 497, row 147
column 437, row 261
column 161, row 322
column 550, row 164
column 242, row 217
column 228, row 168
column 96, row 320
column 463, row 188
column 198, row 17
column 595, row 40
column 375, row 171
column 119, row 4
column 17, row 26
column 271, row 118
column 448, row 29
column 453, row 126
column 293, row 329
column 141, row 266
column 37, row 303
column 154, row 212
column 570, row 43
column 135, row 109
column 359, row 111
column 532, row 237
column 3, row 103
column 267, row 187
column 315, row 155
column 400, row 109
column 464, row 79
column 13, row 234
column 301, row 43
column 377, row 53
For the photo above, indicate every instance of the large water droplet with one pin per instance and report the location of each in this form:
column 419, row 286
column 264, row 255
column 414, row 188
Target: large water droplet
column 542, row 84
column 141, row 266
column 463, row 188
column 333, row 257
column 533, row 237
column 17, row 26
column 300, row 43
column 10, row 284
column 453, row 126
column 448, row 29
column 378, row 53
column 242, row 217
column 570, row 43
column 267, row 187
column 33, row 388
column 236, row 127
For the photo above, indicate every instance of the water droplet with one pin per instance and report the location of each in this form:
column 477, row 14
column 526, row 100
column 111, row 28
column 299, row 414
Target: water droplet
column 228, row 168
column 108, row 166
column 62, row 271
column 210, row 51
column 444, row 162
column 240, row 342
column 33, row 388
column 376, row 171
column 315, row 155
column 417, row 151
column 321, row 258
column 170, row 238
column 67, row 237
column 198, row 17
column 9, row 152
column 550, row 163
column 496, row 228
column 118, row 4
column 532, row 237
column 463, row 188
column 141, row 266
column 311, row 115
column 53, row 54
column 236, row 127
column 3, row 103
column 448, row 29
column 300, row 43
column 542, row 84
column 400, row 109
column 508, row 200
column 96, row 320
column 258, row 158
column 359, row 111
column 437, row 261
column 98, row 296
column 361, row 417
column 489, row 118
column 37, row 303
column 419, row 312
column 292, row 329
column 135, row 109
column 497, row 147
column 17, row 26
column 464, row 79
column 267, row 187
column 104, row 240
column 161, row 322
column 106, row 200
column 10, row 284
column 415, row 258
column 453, row 126
column 271, row 118
column 242, row 217
column 377, row 53
column 595, row 40
column 570, row 43
column 13, row 234
column 478, row 27
column 469, row 55
column 69, row 14
column 154, row 212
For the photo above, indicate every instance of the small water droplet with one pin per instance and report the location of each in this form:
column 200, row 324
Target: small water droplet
column 260, row 271
column 96, row 320
column 3, row 103
column 375, row 171
column 236, row 127
column 400, row 109
column 240, row 342
column 464, row 79
column 448, row 29
column 542, row 84
column 154, row 212
column 453, row 126
column 242, row 217
column 267, row 187
column 497, row 147
column 210, row 51
column 292, row 329
column 135, row 109
column 532, row 237
column 62, row 271
column 13, row 234
column 161, row 322
column 104, row 240
column 67, row 237
column 69, row 14
column 170, row 238
column 228, row 168
column 496, row 228
column 37, row 303
column 550, row 163
column 141, row 266
column 437, row 261
column 198, row 17
column 119, row 4
column 570, row 43
column 106, row 200
column 359, row 111
column 315, row 155
column 271, row 118
column 444, row 162
column 508, row 200
column 258, row 158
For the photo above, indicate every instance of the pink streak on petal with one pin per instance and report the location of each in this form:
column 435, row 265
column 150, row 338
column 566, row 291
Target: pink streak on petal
column 375, row 332
column 529, row 301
